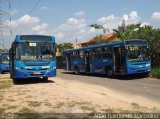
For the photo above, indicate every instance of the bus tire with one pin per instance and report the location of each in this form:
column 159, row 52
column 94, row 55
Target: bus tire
column 45, row 78
column 109, row 72
column 15, row 80
column 11, row 76
column 77, row 71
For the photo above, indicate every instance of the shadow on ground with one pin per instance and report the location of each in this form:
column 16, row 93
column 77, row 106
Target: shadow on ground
column 127, row 77
column 32, row 81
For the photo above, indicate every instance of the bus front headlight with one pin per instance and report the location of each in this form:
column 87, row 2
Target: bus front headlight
column 53, row 68
column 148, row 66
column 18, row 68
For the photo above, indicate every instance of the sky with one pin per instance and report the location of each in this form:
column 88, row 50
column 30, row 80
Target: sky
column 69, row 20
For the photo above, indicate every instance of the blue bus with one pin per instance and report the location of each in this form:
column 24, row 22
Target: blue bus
column 4, row 62
column 32, row 56
column 117, row 58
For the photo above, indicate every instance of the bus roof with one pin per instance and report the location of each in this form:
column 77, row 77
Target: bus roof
column 3, row 53
column 106, row 44
column 18, row 37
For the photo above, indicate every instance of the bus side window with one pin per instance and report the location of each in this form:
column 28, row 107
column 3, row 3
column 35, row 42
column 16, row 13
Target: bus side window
column 96, row 53
column 81, row 55
column 107, row 52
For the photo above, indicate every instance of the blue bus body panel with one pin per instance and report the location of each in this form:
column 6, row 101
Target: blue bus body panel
column 43, row 70
column 4, row 68
column 138, row 67
column 79, row 63
column 98, row 65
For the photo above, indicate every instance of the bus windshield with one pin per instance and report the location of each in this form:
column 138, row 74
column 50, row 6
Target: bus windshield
column 138, row 53
column 5, row 58
column 35, row 51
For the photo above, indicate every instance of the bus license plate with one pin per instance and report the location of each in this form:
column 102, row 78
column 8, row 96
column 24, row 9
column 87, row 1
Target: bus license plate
column 36, row 72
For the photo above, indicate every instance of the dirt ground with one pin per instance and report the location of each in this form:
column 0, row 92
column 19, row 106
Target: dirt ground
column 63, row 96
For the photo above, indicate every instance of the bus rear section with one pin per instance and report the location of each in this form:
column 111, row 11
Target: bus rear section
column 4, row 62
column 33, row 56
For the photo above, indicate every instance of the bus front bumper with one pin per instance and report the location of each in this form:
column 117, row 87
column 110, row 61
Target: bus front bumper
column 138, row 70
column 4, row 69
column 34, row 74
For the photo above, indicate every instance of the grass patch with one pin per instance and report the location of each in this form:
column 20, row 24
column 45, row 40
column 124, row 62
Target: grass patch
column 5, row 84
column 85, row 107
column 48, row 104
column 156, row 72
column 74, row 103
column 12, row 107
column 59, row 104
column 120, row 110
column 29, row 96
column 135, row 105
column 34, row 103
column 2, row 110
column 27, row 113
column 10, row 100
column 108, row 110
column 1, row 97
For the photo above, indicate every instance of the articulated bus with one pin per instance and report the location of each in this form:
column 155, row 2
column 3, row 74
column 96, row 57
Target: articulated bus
column 4, row 62
column 116, row 58
column 32, row 56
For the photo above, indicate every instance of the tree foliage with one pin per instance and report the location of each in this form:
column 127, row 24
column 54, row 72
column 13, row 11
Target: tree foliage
column 99, row 40
column 64, row 46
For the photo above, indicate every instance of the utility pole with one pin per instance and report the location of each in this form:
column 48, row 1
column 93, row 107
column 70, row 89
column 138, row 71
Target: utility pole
column 76, row 42
column 2, row 26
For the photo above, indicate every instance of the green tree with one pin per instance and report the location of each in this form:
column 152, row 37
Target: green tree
column 64, row 46
column 60, row 48
column 127, row 32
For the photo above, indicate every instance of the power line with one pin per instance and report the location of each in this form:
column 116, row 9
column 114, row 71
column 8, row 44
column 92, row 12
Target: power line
column 34, row 6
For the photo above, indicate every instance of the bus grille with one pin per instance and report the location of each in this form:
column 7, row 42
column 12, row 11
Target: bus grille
column 36, row 74
column 141, row 71
column 36, row 64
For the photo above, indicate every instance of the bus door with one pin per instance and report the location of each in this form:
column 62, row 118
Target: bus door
column 87, row 61
column 119, row 60
column 68, row 61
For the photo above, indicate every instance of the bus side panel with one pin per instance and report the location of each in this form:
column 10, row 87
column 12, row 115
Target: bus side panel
column 97, row 66
column 100, row 65
column 79, row 63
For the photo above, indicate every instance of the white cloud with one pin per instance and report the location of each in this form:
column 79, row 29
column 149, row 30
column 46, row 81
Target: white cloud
column 13, row 12
column 24, row 25
column 73, row 28
column 112, row 21
column 80, row 14
column 144, row 24
column 28, row 25
column 45, row 8
column 78, row 27
column 156, row 16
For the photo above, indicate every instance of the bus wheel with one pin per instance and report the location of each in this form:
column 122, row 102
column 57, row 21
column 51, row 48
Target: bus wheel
column 45, row 78
column 11, row 76
column 76, row 70
column 109, row 72
column 15, row 80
